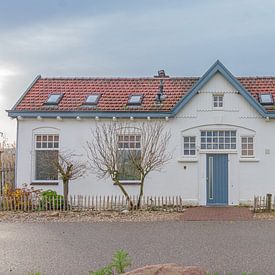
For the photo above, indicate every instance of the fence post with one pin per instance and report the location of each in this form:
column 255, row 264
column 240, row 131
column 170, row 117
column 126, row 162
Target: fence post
column 268, row 202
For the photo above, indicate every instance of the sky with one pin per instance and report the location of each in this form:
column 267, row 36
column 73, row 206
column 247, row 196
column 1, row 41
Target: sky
column 129, row 38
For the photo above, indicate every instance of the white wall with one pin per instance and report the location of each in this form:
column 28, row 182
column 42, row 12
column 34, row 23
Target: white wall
column 182, row 176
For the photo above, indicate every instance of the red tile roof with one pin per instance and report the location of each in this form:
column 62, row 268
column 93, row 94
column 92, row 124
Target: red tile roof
column 115, row 92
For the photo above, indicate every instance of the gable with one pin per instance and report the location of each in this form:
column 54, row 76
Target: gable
column 218, row 86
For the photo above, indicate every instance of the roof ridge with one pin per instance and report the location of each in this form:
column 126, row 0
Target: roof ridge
column 117, row 78
column 256, row 77
column 143, row 78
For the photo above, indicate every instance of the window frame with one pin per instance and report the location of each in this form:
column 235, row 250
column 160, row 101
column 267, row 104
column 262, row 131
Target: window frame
column 247, row 149
column 126, row 181
column 266, row 103
column 92, row 103
column 135, row 103
column 218, row 95
column 60, row 96
column 35, row 181
column 218, row 137
column 189, row 147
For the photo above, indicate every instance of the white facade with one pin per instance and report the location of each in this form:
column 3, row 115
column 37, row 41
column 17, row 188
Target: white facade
column 183, row 175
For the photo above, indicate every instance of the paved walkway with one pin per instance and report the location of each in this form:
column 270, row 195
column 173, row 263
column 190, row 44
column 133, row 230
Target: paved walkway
column 217, row 214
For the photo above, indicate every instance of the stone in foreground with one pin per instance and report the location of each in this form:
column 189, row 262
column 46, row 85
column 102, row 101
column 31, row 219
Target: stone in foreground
column 167, row 269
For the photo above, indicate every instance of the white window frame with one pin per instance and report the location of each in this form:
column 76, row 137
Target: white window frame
column 246, row 149
column 218, row 101
column 217, row 141
column 135, row 142
column 188, row 143
column 34, row 180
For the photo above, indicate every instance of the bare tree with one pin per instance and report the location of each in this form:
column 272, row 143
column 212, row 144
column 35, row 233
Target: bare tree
column 69, row 168
column 117, row 148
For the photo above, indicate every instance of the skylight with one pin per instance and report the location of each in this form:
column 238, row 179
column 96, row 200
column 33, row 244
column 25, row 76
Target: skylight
column 92, row 99
column 266, row 98
column 54, row 99
column 135, row 99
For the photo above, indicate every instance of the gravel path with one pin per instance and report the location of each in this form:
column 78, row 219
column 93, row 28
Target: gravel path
column 75, row 248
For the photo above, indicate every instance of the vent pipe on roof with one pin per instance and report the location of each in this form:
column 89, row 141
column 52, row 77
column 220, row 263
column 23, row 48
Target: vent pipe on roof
column 161, row 74
column 160, row 94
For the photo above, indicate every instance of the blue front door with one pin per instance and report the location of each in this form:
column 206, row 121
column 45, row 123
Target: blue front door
column 217, row 179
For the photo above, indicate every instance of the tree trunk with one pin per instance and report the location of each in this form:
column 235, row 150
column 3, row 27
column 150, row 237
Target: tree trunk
column 140, row 192
column 131, row 205
column 65, row 193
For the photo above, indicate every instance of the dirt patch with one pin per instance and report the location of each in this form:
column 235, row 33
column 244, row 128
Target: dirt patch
column 264, row 216
column 167, row 269
column 89, row 216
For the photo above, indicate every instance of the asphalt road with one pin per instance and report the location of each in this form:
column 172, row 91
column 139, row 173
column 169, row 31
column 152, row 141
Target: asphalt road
column 76, row 248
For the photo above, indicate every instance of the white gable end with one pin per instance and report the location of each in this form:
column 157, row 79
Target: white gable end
column 234, row 104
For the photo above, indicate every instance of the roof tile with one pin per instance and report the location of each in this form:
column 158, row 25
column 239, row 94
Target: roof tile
column 115, row 92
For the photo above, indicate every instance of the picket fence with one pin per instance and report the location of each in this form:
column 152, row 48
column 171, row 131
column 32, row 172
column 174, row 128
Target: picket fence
column 264, row 203
column 7, row 175
column 82, row 203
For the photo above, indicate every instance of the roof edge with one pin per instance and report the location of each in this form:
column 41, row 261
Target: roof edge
column 26, row 91
column 87, row 114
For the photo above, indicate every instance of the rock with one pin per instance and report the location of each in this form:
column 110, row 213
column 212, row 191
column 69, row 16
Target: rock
column 167, row 269
column 125, row 211
column 54, row 214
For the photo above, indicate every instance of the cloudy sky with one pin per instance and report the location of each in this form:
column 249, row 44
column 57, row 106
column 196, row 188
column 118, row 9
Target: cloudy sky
column 129, row 38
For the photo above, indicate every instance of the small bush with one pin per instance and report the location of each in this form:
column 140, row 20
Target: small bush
column 18, row 198
column 51, row 200
column 121, row 260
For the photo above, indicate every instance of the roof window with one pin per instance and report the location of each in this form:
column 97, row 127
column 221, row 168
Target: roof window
column 54, row 99
column 266, row 99
column 135, row 99
column 92, row 99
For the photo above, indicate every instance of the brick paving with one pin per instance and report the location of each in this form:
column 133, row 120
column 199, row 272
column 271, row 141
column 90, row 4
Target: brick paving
column 217, row 214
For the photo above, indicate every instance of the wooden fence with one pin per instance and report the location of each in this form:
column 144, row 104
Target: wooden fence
column 80, row 203
column 7, row 176
column 264, row 203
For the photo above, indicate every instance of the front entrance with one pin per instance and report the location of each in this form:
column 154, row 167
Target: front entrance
column 217, row 179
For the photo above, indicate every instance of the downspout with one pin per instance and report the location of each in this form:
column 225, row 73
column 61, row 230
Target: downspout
column 16, row 153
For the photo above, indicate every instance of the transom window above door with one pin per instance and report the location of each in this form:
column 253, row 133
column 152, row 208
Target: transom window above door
column 218, row 140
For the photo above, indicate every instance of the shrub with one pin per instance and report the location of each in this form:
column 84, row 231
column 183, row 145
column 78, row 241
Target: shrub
column 51, row 200
column 18, row 198
column 121, row 260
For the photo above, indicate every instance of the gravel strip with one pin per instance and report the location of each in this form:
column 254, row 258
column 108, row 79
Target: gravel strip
column 89, row 216
column 264, row 216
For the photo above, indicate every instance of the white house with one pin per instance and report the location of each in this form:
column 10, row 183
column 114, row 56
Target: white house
column 222, row 127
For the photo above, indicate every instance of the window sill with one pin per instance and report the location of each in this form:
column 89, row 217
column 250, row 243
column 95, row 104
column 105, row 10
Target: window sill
column 42, row 183
column 186, row 159
column 249, row 160
column 129, row 182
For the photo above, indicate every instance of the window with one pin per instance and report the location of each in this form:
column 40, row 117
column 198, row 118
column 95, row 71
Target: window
column 247, row 146
column 217, row 101
column 266, row 99
column 46, row 152
column 189, row 146
column 92, row 99
column 54, row 99
column 129, row 146
column 218, row 140
column 135, row 99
